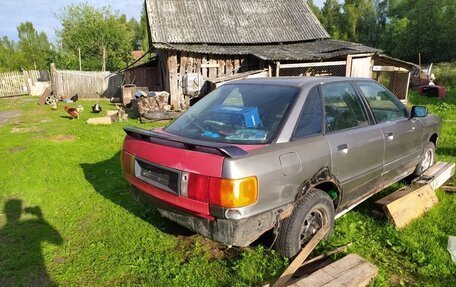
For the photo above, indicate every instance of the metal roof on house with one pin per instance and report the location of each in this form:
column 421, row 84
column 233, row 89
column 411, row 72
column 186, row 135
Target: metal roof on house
column 232, row 21
column 304, row 51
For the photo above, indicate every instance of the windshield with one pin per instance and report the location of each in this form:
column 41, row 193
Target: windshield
column 237, row 113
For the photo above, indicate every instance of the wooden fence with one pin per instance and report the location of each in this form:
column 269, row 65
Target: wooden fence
column 67, row 83
column 21, row 83
column 12, row 84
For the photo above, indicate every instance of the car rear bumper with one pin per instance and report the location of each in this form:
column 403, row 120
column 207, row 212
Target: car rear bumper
column 227, row 231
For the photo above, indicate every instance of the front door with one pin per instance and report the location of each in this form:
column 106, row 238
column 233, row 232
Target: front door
column 403, row 136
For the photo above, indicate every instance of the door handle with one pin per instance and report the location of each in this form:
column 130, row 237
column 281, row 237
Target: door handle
column 343, row 148
column 389, row 136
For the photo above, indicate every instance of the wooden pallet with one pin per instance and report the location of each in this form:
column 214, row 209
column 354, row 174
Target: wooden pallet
column 409, row 203
column 352, row 270
column 436, row 175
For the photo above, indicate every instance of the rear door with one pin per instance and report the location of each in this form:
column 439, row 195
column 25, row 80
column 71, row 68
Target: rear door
column 356, row 144
column 403, row 136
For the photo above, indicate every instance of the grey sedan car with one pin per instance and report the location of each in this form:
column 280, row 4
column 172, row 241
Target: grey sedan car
column 281, row 154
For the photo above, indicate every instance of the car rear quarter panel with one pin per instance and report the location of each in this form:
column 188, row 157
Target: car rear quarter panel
column 279, row 181
column 432, row 124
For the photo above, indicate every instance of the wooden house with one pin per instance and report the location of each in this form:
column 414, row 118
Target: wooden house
column 197, row 42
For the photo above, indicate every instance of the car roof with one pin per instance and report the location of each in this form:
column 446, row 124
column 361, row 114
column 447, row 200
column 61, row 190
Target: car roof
column 295, row 81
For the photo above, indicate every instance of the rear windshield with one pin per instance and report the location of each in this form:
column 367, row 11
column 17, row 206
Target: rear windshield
column 237, row 113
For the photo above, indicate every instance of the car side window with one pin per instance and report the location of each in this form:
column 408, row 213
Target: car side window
column 343, row 108
column 384, row 105
column 310, row 121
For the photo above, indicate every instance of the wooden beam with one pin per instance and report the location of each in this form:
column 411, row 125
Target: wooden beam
column 362, row 55
column 377, row 68
column 210, row 65
column 437, row 175
column 407, row 204
column 348, row 66
column 277, row 69
column 314, row 64
column 213, row 68
column 352, row 270
column 408, row 85
column 173, row 80
column 448, row 188
column 203, row 68
column 322, row 256
column 310, row 246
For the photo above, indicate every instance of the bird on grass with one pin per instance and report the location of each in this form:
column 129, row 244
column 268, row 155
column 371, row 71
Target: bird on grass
column 72, row 112
column 96, row 108
column 80, row 109
column 54, row 106
column 75, row 98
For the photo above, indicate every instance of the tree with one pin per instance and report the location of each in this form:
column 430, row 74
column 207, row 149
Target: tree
column 103, row 37
column 331, row 17
column 6, row 52
column 314, row 9
column 359, row 20
column 144, row 30
column 32, row 46
column 30, row 52
column 422, row 26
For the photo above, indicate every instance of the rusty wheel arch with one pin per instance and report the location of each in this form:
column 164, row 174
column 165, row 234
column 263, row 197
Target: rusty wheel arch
column 323, row 180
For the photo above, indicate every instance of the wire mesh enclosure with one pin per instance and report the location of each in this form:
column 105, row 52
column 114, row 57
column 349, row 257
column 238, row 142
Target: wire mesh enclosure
column 396, row 82
column 314, row 71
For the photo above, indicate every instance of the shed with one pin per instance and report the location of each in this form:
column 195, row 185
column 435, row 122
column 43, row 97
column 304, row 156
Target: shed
column 201, row 41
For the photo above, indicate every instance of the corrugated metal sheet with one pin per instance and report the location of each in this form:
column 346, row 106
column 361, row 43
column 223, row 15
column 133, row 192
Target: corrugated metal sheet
column 232, row 21
column 305, row 51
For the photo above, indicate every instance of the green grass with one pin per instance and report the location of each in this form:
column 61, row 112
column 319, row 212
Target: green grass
column 79, row 226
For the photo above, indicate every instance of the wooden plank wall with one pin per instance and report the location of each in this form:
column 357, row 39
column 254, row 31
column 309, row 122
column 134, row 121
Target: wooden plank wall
column 18, row 83
column 86, row 84
column 144, row 77
column 174, row 64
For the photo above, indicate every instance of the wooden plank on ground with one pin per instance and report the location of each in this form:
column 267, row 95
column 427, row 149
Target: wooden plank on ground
column 352, row 270
column 46, row 93
column 437, row 175
column 296, row 263
column 410, row 206
column 448, row 188
column 392, row 197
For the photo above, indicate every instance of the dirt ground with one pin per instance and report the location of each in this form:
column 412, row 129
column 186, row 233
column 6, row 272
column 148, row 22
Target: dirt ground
column 6, row 116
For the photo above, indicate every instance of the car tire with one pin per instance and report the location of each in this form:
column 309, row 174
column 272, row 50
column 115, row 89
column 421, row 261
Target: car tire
column 311, row 212
column 427, row 159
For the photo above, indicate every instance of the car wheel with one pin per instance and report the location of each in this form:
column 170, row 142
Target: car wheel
column 427, row 160
column 312, row 211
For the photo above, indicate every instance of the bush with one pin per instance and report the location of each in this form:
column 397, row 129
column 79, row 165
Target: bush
column 445, row 74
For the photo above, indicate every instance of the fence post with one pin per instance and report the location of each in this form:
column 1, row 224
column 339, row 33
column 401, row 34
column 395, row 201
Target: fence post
column 26, row 81
column 54, row 84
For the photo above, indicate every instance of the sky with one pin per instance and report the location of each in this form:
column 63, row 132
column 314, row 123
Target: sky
column 41, row 13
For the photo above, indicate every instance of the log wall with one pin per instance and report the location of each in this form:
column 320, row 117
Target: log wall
column 174, row 64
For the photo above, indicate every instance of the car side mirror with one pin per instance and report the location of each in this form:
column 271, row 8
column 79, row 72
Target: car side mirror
column 418, row 112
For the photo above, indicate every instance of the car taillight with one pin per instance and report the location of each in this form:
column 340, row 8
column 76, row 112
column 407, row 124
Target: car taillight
column 128, row 162
column 197, row 187
column 231, row 193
